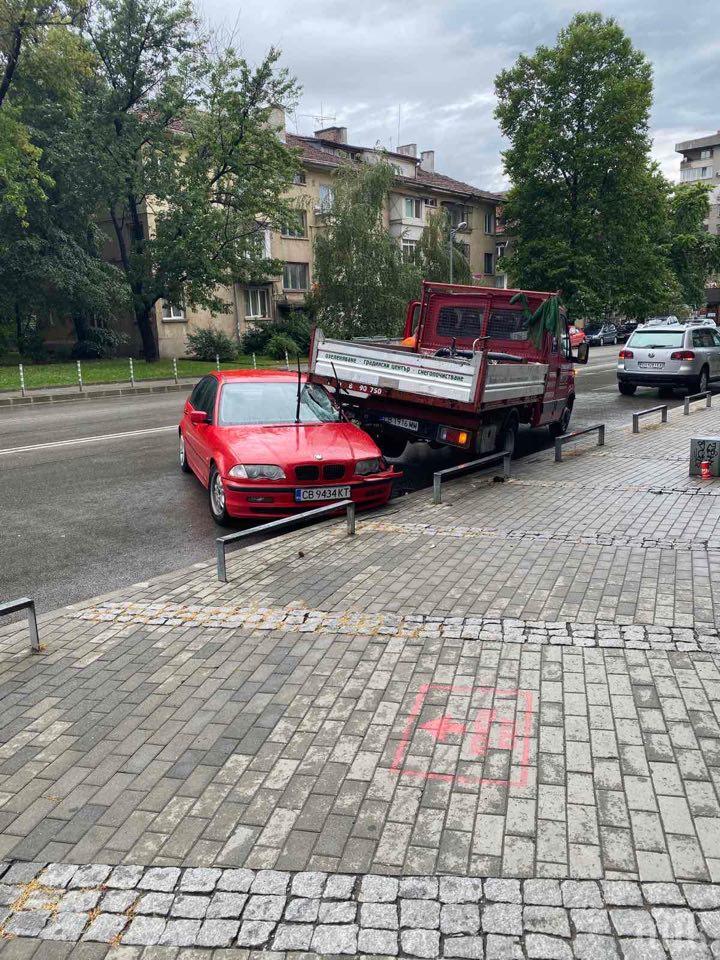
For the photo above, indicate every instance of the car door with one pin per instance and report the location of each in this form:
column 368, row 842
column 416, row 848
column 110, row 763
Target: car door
column 205, row 434
column 195, row 432
column 714, row 336
column 702, row 351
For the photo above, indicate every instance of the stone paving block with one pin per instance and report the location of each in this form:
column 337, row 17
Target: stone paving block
column 237, row 881
column 339, row 887
column 502, row 918
column 302, row 910
column 105, row 927
column 591, row 946
column 144, row 930
column 22, row 872
column 335, row 939
column 271, row 882
column 379, row 942
column 459, row 918
column 337, row 911
column 226, row 905
column 64, row 926
column 548, row 920
column 124, row 877
column 58, row 874
column 544, row 947
column 90, row 875
column 581, row 893
column 374, row 889
column 158, row 904
column 264, row 907
column 420, row 943
column 180, row 933
column 217, row 933
column 643, row 950
column 199, row 880
column 424, row 914
column 28, row 923
column 460, row 889
column 675, row 923
column 308, row 884
column 163, row 879
column 189, row 906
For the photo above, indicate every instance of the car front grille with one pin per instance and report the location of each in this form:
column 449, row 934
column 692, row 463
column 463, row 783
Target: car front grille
column 333, row 471
column 307, row 472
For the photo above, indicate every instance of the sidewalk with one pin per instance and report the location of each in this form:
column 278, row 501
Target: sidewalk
column 483, row 729
column 93, row 391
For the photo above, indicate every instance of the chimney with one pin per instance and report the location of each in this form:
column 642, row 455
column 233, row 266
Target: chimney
column 427, row 161
column 409, row 149
column 277, row 120
column 336, row 134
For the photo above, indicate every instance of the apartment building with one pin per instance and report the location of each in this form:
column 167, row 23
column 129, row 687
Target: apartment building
column 419, row 190
column 701, row 162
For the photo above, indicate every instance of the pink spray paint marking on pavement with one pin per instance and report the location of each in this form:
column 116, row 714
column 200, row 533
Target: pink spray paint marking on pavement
column 486, row 728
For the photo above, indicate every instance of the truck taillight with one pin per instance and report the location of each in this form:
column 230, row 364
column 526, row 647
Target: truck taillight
column 626, row 355
column 458, row 438
column 682, row 355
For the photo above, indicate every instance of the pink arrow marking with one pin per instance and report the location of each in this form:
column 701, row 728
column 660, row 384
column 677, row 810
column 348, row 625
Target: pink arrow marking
column 442, row 727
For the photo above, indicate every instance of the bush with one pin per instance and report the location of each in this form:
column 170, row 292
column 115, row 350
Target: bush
column 209, row 342
column 279, row 344
column 296, row 326
column 99, row 343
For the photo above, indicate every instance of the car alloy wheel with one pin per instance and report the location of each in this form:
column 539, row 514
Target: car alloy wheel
column 217, row 495
column 182, row 456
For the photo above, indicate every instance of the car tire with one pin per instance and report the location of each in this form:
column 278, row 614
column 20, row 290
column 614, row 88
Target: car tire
column 182, row 456
column 627, row 389
column 216, row 498
column 665, row 392
column 391, row 446
column 703, row 381
column 560, row 426
column 507, row 436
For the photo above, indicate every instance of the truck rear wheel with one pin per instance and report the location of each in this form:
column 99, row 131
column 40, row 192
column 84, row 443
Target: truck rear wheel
column 391, row 445
column 560, row 426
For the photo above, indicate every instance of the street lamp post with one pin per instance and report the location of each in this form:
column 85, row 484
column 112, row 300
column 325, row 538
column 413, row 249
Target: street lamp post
column 453, row 231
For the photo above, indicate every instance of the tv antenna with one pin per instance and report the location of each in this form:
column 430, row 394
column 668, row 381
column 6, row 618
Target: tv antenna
column 322, row 118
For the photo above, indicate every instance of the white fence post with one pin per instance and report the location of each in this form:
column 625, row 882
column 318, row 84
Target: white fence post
column 254, row 363
column 217, row 362
column 132, row 372
column 287, row 360
column 22, row 379
column 175, row 373
column 79, row 373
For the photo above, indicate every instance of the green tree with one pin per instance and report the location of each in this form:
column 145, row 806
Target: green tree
column 432, row 254
column 694, row 253
column 192, row 169
column 363, row 283
column 586, row 209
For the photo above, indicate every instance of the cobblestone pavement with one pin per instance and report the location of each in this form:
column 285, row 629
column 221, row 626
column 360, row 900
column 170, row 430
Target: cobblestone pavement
column 488, row 728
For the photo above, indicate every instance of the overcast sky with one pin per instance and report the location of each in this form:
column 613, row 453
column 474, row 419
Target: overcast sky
column 362, row 63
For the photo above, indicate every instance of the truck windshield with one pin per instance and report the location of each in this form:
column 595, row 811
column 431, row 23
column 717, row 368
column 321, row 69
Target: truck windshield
column 274, row 403
column 656, row 338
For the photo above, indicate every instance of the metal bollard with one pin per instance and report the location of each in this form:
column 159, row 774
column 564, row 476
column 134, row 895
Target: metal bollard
column 287, row 360
column 350, row 516
column 22, row 379
column 175, row 373
column 254, row 363
column 217, row 362
column 79, row 373
column 132, row 372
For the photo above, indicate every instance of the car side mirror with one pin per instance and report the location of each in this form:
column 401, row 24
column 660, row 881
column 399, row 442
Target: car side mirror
column 198, row 416
column 583, row 352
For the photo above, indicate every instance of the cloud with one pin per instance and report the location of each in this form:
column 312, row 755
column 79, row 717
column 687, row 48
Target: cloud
column 432, row 63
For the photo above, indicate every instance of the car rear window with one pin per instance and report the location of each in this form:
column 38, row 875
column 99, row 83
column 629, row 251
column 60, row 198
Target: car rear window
column 657, row 338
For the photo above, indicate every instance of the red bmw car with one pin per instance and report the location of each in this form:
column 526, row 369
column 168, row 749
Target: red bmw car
column 267, row 446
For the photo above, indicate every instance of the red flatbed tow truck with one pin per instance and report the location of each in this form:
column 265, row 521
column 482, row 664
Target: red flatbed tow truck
column 474, row 363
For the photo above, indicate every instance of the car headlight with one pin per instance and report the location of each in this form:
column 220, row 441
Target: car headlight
column 257, row 471
column 371, row 465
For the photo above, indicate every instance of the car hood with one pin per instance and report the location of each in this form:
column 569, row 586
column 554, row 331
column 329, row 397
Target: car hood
column 297, row 443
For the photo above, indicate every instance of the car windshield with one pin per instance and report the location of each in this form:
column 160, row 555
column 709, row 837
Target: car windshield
column 657, row 338
column 273, row 402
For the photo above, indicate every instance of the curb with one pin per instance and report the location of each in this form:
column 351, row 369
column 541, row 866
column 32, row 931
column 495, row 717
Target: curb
column 94, row 394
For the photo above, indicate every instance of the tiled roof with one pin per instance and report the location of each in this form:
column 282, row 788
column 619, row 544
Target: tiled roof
column 438, row 181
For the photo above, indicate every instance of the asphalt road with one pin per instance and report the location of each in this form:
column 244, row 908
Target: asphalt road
column 91, row 497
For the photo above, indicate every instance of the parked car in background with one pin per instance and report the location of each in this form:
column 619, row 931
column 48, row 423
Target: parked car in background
column 598, row 334
column 577, row 336
column 625, row 328
column 659, row 321
column 668, row 355
column 268, row 444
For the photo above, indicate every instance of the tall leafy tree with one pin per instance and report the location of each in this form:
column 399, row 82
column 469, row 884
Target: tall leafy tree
column 432, row 253
column 694, row 253
column 192, row 169
column 363, row 283
column 586, row 209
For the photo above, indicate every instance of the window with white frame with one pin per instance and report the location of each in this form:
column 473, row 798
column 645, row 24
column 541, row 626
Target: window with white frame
column 257, row 303
column 295, row 276
column 172, row 312
column 430, row 202
column 299, row 178
column 413, row 208
column 489, row 221
column 326, row 197
column 696, row 173
column 296, row 225
column 409, row 250
column 458, row 214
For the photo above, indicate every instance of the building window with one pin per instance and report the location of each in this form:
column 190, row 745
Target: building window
column 488, row 264
column 409, row 250
column 326, row 198
column 458, row 214
column 489, row 222
column 696, row 173
column 257, row 303
column 430, row 202
column 296, row 225
column 706, row 153
column 299, row 178
column 172, row 312
column 295, row 276
column 413, row 208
